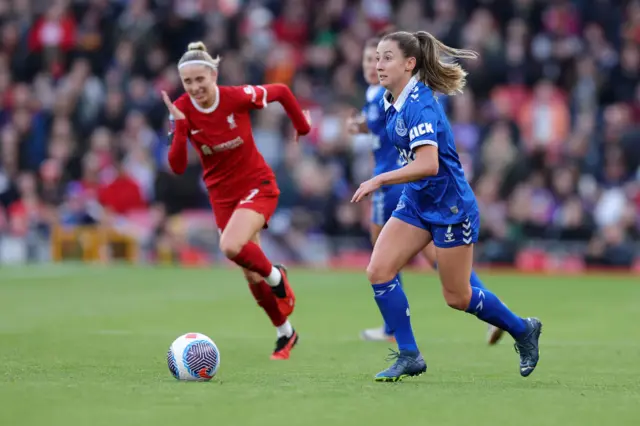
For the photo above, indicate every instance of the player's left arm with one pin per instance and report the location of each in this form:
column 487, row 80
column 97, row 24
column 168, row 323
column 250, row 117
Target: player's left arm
column 256, row 97
column 422, row 125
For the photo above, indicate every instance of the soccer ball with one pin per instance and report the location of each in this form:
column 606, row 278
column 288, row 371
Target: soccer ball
column 193, row 356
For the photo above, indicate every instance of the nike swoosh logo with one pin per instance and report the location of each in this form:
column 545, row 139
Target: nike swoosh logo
column 195, row 132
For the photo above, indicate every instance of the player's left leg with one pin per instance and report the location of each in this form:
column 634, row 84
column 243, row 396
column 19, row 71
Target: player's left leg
column 236, row 244
column 287, row 337
column 494, row 334
column 454, row 251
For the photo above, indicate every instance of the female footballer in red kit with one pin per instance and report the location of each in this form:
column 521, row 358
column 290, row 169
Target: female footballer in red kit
column 242, row 187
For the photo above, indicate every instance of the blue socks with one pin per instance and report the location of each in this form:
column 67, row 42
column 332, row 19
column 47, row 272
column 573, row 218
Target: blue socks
column 475, row 280
column 486, row 306
column 387, row 329
column 394, row 307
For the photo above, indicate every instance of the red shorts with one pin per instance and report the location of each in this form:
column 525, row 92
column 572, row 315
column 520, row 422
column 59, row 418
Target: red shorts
column 263, row 199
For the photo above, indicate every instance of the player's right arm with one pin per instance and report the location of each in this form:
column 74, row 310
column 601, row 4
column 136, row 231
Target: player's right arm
column 423, row 160
column 177, row 138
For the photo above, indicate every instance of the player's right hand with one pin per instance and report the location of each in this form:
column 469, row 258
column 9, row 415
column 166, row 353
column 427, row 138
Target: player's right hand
column 173, row 110
column 355, row 123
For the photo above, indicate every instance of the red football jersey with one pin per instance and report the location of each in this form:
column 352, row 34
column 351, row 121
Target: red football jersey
column 223, row 137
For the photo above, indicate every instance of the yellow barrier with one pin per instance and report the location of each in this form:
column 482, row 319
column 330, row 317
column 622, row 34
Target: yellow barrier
column 92, row 244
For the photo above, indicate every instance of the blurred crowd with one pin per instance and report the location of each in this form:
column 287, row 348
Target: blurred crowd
column 548, row 129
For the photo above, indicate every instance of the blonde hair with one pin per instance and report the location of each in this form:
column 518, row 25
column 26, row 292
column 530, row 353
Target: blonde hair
column 197, row 54
column 444, row 77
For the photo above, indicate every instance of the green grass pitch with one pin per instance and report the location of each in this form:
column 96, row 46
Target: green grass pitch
column 86, row 346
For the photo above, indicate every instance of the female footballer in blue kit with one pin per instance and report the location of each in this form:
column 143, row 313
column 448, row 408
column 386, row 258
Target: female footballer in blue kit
column 386, row 159
column 437, row 203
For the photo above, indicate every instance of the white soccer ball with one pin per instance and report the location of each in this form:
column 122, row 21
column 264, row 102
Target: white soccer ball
column 193, row 356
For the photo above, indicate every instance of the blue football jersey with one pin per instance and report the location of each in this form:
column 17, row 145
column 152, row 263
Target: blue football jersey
column 385, row 155
column 416, row 119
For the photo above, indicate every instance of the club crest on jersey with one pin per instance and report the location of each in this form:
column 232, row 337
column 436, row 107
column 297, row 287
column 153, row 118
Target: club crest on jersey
column 231, row 121
column 401, row 128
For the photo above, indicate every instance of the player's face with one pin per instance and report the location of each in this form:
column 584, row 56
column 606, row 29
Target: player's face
column 369, row 65
column 199, row 82
column 394, row 70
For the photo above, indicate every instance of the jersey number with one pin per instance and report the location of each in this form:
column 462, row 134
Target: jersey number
column 250, row 197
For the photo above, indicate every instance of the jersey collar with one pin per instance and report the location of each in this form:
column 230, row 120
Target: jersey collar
column 212, row 107
column 403, row 95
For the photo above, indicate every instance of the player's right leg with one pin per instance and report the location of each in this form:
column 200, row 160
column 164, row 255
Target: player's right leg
column 384, row 332
column 383, row 203
column 287, row 337
column 398, row 243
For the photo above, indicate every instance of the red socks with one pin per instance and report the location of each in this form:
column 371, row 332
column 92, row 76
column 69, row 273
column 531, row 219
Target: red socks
column 253, row 258
column 267, row 301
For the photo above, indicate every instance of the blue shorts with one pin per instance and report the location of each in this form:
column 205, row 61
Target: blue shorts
column 444, row 236
column 384, row 202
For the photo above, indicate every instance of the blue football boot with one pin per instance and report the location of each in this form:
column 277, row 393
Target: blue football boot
column 528, row 347
column 407, row 364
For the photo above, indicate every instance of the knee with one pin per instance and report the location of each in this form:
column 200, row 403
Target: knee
column 458, row 299
column 230, row 246
column 377, row 273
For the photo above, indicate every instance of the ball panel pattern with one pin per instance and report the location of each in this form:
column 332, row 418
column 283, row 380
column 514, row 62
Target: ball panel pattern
column 201, row 359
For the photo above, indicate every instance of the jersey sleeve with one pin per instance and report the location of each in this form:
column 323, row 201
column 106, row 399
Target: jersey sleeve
column 251, row 97
column 422, row 122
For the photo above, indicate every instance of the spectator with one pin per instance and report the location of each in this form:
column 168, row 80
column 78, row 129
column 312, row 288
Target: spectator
column 547, row 128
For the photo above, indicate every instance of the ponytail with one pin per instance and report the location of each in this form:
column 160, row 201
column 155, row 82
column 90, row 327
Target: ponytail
column 444, row 77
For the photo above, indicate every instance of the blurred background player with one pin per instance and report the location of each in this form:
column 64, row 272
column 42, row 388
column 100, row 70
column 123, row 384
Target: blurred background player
column 437, row 204
column 386, row 159
column 241, row 186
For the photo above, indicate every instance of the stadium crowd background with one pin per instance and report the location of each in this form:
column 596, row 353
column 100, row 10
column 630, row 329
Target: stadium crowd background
column 548, row 129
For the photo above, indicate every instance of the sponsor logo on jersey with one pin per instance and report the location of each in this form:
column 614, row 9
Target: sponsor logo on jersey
column 419, row 130
column 229, row 145
column 401, row 128
column 406, row 156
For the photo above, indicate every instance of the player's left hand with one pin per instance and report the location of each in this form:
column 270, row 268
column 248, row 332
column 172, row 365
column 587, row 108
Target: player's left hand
column 365, row 189
column 307, row 115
